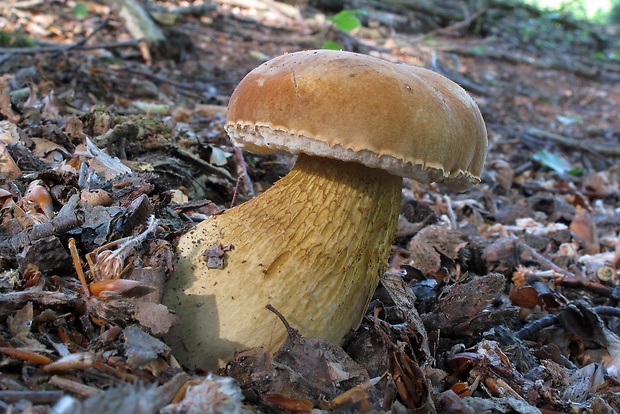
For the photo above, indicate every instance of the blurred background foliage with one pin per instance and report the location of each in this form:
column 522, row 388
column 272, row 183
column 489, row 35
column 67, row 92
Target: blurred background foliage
column 595, row 11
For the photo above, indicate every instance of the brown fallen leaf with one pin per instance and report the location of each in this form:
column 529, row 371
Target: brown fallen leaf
column 432, row 244
column 584, row 229
column 462, row 303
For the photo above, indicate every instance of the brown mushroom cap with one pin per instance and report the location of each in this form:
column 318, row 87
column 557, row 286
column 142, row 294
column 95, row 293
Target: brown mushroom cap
column 405, row 119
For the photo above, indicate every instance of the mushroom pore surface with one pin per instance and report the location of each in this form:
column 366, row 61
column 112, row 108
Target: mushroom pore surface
column 312, row 246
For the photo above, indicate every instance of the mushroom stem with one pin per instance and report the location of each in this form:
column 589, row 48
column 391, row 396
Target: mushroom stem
column 312, row 246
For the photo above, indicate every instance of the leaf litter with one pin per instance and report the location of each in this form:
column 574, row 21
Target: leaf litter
column 503, row 299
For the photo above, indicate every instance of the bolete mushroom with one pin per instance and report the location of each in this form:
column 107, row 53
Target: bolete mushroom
column 314, row 244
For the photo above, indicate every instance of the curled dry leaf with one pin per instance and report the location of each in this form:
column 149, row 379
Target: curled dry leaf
column 504, row 174
column 40, row 196
column 584, row 229
column 525, row 297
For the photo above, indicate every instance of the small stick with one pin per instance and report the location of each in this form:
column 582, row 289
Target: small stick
column 83, row 40
column 247, row 183
column 235, row 191
column 35, row 397
column 74, row 387
column 78, row 266
column 450, row 211
column 535, row 326
column 549, row 264
column 289, row 328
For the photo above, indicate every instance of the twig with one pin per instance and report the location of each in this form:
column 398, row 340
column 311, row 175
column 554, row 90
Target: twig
column 451, row 28
column 35, row 397
column 450, row 211
column 549, row 62
column 536, row 326
column 607, row 150
column 235, row 191
column 549, row 264
column 184, row 153
column 194, row 86
column 289, row 328
column 194, row 9
column 26, row 4
column 607, row 311
column 74, row 387
column 55, row 48
column 584, row 284
column 247, row 182
column 78, row 266
column 46, row 298
column 83, row 40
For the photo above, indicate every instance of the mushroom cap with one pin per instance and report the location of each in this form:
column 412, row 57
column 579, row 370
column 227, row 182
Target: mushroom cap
column 405, row 119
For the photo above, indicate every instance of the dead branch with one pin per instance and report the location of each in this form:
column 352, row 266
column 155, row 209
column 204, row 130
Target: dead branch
column 35, row 397
column 564, row 63
column 187, row 154
column 8, row 51
column 85, row 39
column 430, row 8
column 610, row 151
column 46, row 298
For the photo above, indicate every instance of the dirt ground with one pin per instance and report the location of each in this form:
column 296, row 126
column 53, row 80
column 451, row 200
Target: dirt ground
column 502, row 299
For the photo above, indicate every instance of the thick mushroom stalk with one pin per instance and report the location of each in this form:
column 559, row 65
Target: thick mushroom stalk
column 312, row 246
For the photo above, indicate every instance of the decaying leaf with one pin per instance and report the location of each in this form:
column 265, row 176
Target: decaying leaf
column 19, row 325
column 463, row 302
column 308, row 369
column 141, row 348
column 404, row 300
column 584, row 229
column 154, row 316
column 215, row 256
column 211, row 395
column 432, row 244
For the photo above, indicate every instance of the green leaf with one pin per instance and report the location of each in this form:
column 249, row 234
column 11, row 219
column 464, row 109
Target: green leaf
column 569, row 120
column 80, row 11
column 346, row 20
column 553, row 161
column 478, row 50
column 331, row 45
column 577, row 172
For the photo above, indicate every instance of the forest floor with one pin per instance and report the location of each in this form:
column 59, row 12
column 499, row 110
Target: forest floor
column 502, row 299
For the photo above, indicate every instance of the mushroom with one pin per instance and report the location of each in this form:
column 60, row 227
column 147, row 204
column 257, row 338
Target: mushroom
column 314, row 244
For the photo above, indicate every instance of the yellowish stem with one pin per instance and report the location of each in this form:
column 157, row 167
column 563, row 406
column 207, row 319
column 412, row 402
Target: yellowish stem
column 312, row 246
